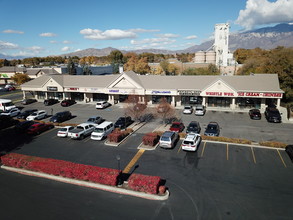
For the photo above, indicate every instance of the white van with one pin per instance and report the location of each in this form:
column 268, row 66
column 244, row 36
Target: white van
column 6, row 104
column 102, row 130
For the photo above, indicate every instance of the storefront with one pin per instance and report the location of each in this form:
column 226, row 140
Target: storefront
column 231, row 92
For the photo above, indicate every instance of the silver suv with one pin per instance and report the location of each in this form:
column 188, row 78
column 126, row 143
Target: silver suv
column 168, row 139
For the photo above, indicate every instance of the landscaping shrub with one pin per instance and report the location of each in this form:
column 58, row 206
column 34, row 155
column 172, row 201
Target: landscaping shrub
column 117, row 135
column 144, row 183
column 62, row 168
column 225, row 139
column 150, row 139
column 273, row 144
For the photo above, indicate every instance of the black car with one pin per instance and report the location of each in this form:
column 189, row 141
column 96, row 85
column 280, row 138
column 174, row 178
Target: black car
column 273, row 115
column 289, row 151
column 26, row 113
column 123, row 122
column 23, row 126
column 61, row 116
column 213, row 129
column 193, row 127
column 6, row 121
column 67, row 102
column 28, row 101
column 255, row 114
column 50, row 101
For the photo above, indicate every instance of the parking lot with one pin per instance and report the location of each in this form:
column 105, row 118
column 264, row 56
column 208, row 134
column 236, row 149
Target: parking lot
column 217, row 181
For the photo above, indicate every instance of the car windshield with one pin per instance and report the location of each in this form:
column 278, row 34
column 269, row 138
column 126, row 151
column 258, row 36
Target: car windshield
column 164, row 138
column 175, row 125
column 34, row 114
column 63, row 129
column 187, row 107
column 99, row 130
column 188, row 142
column 212, row 127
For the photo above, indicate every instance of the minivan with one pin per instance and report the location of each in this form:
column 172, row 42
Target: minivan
column 168, row 139
column 102, row 130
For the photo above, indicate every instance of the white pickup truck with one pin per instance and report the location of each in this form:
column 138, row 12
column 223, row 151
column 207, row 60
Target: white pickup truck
column 81, row 131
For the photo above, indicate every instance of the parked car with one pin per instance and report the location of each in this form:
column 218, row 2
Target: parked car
column 254, row 114
column 23, row 126
column 95, row 120
column 28, row 101
column 81, row 131
column 123, row 122
column 102, row 104
column 24, row 114
column 63, row 132
column 213, row 129
column 188, row 109
column 50, row 101
column 102, row 130
column 191, row 142
column 289, row 151
column 177, row 126
column 11, row 112
column 193, row 127
column 67, row 102
column 61, row 116
column 168, row 139
column 273, row 115
column 38, row 128
column 6, row 121
column 41, row 114
column 200, row 110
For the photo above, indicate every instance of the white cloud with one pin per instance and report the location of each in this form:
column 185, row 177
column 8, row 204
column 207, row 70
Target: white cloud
column 53, row 42
column 7, row 45
column 259, row 12
column 168, row 35
column 191, row 37
column 113, row 34
column 140, row 30
column 66, row 42
column 9, row 31
column 65, row 49
column 48, row 35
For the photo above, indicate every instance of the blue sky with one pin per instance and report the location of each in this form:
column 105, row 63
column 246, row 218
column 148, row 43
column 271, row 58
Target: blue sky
column 43, row 28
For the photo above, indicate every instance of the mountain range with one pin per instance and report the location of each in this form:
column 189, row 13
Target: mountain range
column 265, row 38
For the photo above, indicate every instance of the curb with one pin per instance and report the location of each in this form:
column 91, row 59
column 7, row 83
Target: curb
column 112, row 189
column 245, row 145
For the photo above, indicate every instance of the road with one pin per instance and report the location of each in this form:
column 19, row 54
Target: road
column 216, row 182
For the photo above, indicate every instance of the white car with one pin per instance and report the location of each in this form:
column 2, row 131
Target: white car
column 11, row 112
column 63, row 132
column 102, row 104
column 188, row 109
column 191, row 142
column 41, row 114
column 200, row 110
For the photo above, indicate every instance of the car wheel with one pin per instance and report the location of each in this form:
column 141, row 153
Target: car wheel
column 81, row 137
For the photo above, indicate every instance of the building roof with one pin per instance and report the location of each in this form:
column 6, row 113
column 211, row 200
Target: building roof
column 256, row 82
column 12, row 69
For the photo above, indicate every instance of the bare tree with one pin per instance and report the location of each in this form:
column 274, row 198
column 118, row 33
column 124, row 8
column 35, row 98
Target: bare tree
column 134, row 108
column 166, row 111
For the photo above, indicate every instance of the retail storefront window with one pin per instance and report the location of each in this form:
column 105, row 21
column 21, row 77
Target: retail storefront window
column 55, row 95
column 41, row 95
column 219, row 102
column 248, row 103
column 156, row 99
column 100, row 97
column 191, row 100
column 77, row 96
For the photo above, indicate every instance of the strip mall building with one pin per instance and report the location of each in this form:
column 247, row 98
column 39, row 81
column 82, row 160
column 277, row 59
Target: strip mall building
column 231, row 92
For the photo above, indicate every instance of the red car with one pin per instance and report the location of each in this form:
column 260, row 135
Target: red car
column 67, row 102
column 177, row 127
column 39, row 128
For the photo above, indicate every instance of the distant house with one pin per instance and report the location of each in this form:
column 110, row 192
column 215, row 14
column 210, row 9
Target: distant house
column 37, row 72
column 6, row 72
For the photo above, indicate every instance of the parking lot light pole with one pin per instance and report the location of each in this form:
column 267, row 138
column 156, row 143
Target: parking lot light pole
column 118, row 160
column 120, row 180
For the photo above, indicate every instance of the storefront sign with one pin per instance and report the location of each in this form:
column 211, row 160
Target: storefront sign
column 114, row 90
column 260, row 94
column 220, row 94
column 71, row 89
column 52, row 88
column 189, row 92
column 161, row 92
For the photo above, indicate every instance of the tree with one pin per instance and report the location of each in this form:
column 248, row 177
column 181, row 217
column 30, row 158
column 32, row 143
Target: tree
column 134, row 108
column 71, row 67
column 164, row 65
column 172, row 69
column 86, row 70
column 165, row 111
column 20, row 78
column 116, row 56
